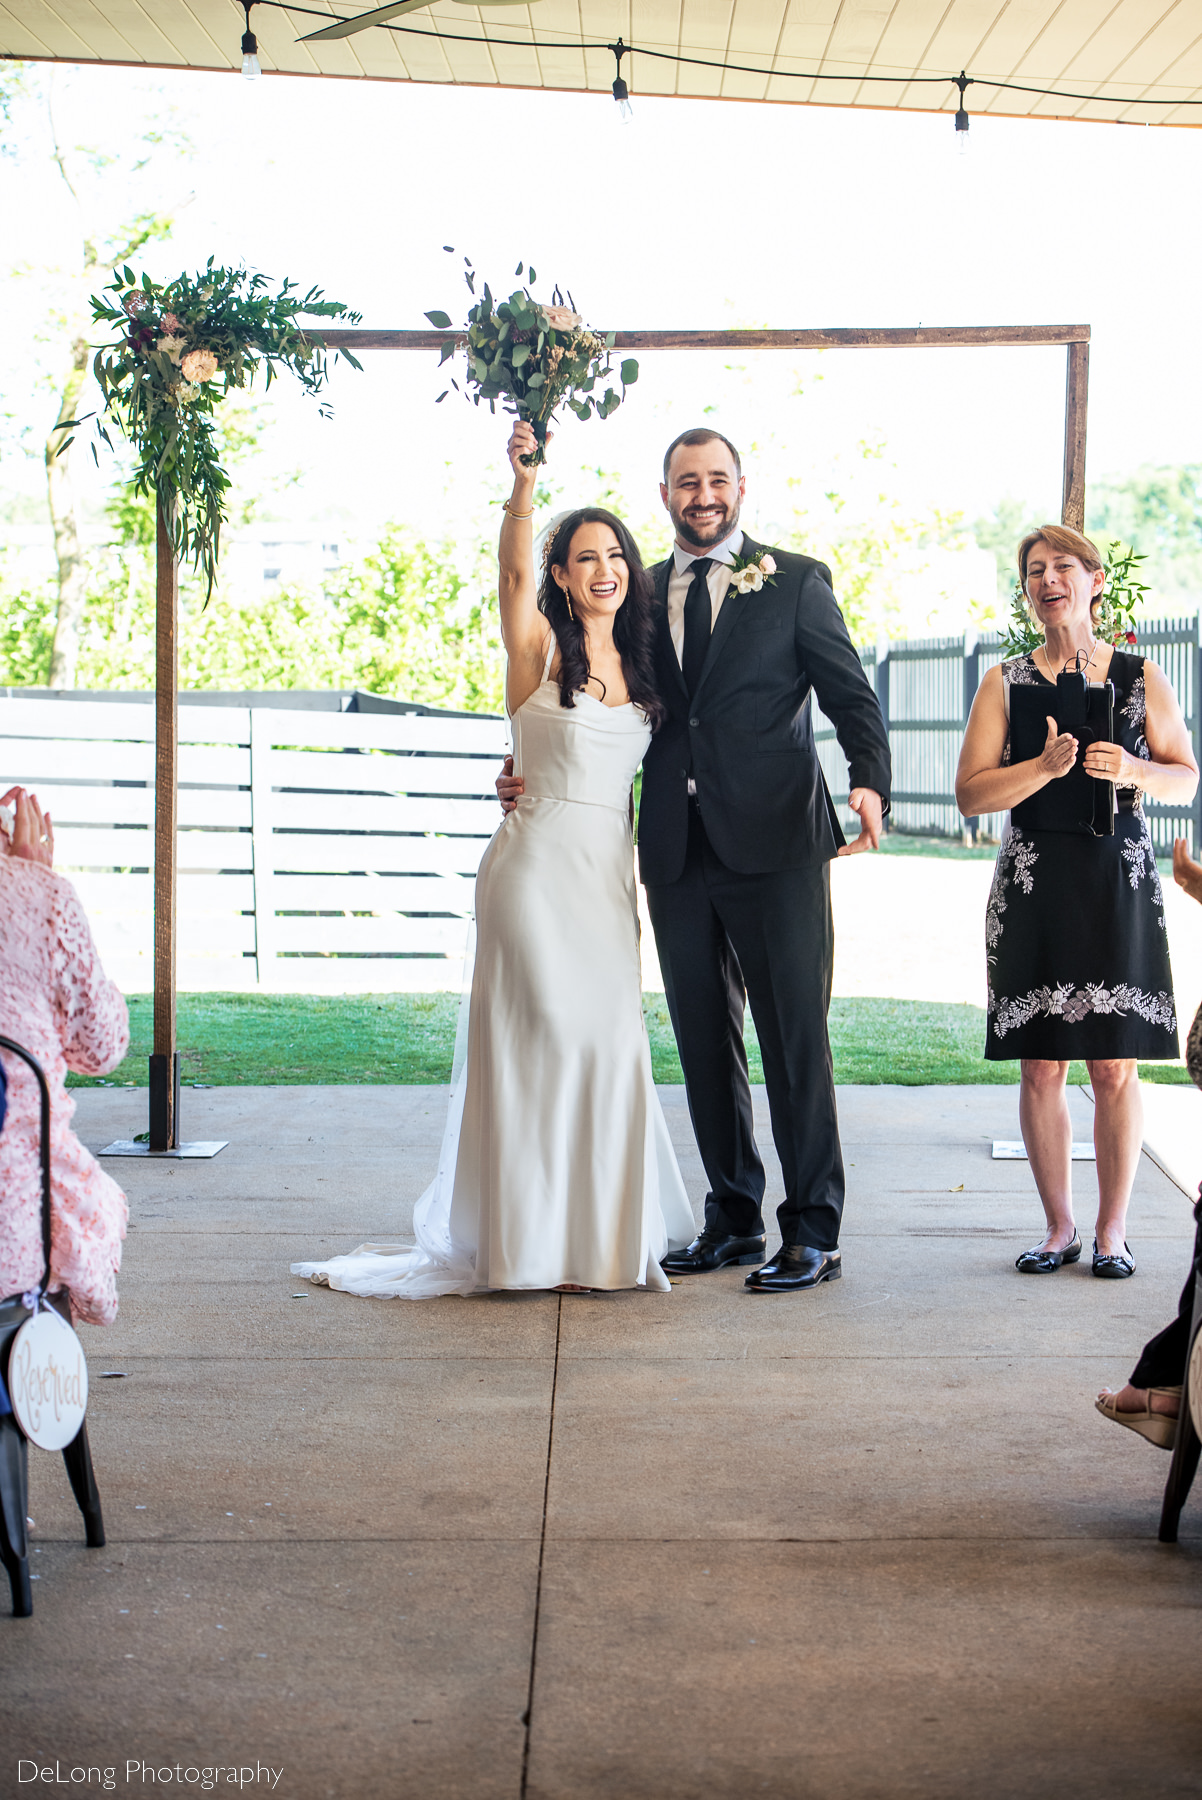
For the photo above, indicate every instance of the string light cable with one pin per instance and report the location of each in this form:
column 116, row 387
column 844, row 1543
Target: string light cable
column 703, row 62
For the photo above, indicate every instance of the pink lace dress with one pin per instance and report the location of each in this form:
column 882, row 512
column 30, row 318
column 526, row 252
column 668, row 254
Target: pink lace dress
column 56, row 1000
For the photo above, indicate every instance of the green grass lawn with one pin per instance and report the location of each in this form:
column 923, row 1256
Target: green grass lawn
column 284, row 1040
column 906, row 843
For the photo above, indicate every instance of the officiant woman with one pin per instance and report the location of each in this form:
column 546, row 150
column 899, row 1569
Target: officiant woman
column 1076, row 948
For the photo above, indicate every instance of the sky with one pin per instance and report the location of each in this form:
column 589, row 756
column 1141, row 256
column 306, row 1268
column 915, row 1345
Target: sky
column 697, row 214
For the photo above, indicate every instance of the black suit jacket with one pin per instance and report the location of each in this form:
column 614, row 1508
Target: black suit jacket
column 747, row 739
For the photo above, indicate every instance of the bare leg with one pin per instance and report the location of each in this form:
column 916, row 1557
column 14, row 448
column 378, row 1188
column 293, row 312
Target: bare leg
column 1118, row 1135
column 1048, row 1134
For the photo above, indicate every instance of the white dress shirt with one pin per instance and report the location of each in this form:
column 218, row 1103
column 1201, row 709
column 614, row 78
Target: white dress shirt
column 681, row 580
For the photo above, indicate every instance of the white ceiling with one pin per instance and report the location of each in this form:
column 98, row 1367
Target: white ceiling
column 1117, row 53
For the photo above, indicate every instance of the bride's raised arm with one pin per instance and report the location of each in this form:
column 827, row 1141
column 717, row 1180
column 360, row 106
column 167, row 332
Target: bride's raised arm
column 524, row 629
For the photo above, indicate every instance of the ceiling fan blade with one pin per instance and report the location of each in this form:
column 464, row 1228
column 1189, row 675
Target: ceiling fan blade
column 344, row 28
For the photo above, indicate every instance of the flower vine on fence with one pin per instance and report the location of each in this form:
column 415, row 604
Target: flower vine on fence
column 180, row 347
column 533, row 356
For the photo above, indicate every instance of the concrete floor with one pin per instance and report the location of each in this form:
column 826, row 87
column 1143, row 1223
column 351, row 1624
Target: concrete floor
column 868, row 1542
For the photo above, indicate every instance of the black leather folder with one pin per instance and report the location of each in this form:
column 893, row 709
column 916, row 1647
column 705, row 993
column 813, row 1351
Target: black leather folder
column 1076, row 802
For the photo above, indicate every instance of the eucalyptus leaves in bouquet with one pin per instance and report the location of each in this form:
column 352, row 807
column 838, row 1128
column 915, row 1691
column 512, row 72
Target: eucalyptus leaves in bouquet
column 1123, row 592
column 178, row 350
column 534, row 357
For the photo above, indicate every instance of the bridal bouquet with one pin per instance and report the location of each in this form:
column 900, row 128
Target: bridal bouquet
column 1121, row 595
column 533, row 357
column 178, row 350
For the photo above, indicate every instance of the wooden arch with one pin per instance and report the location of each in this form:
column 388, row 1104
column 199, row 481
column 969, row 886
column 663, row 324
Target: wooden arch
column 164, row 1062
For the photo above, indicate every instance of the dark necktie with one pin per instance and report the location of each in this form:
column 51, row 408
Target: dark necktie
column 698, row 615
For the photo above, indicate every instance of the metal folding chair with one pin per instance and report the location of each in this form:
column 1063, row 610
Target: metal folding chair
column 14, row 1449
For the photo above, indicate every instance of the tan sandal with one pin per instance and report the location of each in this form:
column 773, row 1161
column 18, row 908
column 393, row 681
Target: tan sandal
column 1159, row 1428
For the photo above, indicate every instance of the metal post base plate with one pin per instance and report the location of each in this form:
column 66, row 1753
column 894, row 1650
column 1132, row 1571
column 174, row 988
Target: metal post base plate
column 183, row 1152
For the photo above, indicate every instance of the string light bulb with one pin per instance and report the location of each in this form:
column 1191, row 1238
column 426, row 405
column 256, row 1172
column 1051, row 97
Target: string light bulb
column 962, row 81
column 251, row 69
column 621, row 91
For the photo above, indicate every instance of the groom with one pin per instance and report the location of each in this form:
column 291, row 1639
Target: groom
column 736, row 834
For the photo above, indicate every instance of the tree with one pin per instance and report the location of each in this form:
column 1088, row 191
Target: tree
column 105, row 234
column 881, row 555
column 1002, row 531
column 1159, row 510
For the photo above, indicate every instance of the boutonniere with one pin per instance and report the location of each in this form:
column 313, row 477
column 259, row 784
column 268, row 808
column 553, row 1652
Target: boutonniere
column 749, row 573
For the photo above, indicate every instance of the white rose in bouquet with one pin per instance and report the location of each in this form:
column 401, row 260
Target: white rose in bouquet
column 562, row 318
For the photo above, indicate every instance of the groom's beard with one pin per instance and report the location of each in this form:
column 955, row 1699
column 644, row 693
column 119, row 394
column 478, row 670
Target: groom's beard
column 703, row 537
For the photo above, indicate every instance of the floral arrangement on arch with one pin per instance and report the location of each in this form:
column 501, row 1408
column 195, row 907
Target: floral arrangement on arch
column 179, row 348
column 532, row 357
column 1123, row 592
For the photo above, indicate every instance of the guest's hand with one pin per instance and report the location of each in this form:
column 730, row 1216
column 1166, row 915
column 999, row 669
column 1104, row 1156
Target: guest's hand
column 510, row 787
column 1058, row 754
column 33, row 833
column 1186, row 872
column 867, row 803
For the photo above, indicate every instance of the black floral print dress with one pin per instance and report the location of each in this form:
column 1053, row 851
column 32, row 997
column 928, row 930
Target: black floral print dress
column 1075, row 939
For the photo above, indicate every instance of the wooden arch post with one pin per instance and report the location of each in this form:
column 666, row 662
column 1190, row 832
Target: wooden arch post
column 164, row 1061
column 1076, row 401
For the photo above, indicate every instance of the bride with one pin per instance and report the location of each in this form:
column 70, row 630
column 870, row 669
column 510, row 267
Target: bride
column 556, row 1169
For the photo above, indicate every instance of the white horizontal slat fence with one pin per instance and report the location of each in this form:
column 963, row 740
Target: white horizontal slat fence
column 319, row 852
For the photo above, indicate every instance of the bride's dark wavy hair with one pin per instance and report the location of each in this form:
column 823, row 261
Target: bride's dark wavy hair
column 634, row 621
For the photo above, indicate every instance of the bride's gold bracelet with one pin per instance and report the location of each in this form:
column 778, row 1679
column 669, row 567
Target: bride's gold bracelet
column 505, row 507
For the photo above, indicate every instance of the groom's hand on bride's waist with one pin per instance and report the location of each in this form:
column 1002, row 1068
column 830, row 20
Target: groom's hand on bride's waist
column 509, row 786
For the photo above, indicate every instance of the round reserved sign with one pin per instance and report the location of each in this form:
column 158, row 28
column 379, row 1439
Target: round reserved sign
column 48, row 1381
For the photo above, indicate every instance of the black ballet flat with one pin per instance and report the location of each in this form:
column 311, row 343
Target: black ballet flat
column 1113, row 1268
column 1038, row 1261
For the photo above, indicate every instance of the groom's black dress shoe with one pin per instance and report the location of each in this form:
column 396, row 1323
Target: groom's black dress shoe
column 796, row 1266
column 712, row 1251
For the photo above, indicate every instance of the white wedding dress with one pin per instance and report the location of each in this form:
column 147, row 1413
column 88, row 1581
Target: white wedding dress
column 556, row 1164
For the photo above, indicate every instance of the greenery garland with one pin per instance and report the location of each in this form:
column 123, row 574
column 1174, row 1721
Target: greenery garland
column 180, row 347
column 1123, row 592
column 533, row 356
